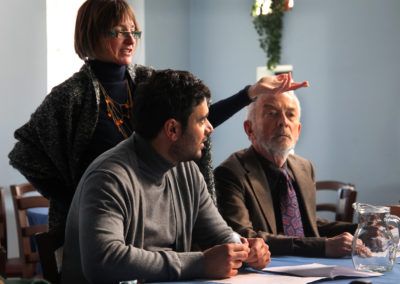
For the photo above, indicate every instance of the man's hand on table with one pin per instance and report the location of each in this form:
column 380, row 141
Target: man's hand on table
column 341, row 245
column 223, row 261
column 259, row 256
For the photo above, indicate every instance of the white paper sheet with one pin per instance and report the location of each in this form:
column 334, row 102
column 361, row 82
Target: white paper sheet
column 321, row 270
column 258, row 278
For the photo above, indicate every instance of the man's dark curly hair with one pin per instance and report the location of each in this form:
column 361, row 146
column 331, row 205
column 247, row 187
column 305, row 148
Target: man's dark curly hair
column 166, row 94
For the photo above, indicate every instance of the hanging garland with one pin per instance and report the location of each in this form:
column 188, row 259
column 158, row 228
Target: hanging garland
column 268, row 22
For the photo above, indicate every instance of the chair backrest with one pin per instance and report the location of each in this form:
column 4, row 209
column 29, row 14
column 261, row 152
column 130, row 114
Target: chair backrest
column 395, row 210
column 3, row 221
column 49, row 244
column 346, row 196
column 25, row 231
column 3, row 261
column 9, row 267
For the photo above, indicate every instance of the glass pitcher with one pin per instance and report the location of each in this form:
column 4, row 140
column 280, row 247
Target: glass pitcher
column 374, row 246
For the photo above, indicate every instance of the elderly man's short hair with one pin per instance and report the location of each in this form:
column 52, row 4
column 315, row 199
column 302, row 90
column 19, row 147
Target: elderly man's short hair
column 250, row 109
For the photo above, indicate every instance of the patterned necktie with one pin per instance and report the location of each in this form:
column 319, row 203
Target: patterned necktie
column 291, row 218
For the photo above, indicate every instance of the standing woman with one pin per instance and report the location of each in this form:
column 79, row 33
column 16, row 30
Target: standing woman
column 89, row 112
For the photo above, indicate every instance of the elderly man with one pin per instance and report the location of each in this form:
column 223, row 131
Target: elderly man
column 139, row 205
column 265, row 191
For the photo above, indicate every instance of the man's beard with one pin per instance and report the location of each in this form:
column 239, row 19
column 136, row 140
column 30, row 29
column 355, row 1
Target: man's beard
column 183, row 152
column 275, row 148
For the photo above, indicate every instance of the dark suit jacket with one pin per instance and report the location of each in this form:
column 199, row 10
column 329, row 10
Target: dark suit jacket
column 245, row 201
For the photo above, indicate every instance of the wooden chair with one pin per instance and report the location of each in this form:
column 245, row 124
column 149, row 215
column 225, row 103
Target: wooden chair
column 9, row 267
column 26, row 232
column 49, row 245
column 395, row 210
column 346, row 196
column 3, row 259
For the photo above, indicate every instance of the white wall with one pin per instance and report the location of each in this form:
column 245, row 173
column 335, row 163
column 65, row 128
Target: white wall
column 348, row 50
column 167, row 34
column 225, row 54
column 22, row 71
column 138, row 7
column 22, row 82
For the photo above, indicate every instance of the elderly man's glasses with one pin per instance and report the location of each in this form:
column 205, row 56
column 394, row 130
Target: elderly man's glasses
column 125, row 34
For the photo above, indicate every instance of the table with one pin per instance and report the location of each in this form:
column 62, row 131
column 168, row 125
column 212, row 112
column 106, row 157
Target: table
column 388, row 277
column 38, row 215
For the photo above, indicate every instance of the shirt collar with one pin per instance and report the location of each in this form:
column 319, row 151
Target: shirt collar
column 268, row 166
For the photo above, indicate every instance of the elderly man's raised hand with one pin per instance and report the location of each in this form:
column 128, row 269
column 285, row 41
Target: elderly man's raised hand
column 274, row 85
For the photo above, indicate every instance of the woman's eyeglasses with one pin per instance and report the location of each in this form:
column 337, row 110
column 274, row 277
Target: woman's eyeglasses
column 125, row 34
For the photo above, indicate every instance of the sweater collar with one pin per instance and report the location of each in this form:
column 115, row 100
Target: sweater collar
column 108, row 72
column 154, row 165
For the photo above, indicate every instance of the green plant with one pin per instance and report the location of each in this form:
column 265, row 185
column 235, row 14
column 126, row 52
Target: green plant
column 269, row 28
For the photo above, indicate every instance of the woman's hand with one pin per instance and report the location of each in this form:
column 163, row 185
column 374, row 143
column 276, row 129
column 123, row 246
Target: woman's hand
column 274, row 85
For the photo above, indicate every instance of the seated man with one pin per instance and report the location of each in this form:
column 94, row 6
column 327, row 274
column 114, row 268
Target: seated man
column 139, row 205
column 252, row 186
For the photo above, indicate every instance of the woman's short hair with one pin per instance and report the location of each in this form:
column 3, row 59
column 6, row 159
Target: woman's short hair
column 94, row 20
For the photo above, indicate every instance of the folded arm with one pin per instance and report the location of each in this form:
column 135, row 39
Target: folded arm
column 238, row 207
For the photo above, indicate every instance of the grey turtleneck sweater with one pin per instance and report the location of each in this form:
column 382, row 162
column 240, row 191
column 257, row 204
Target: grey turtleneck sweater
column 133, row 217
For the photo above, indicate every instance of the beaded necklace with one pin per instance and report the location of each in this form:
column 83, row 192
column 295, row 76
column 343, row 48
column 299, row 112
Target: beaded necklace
column 118, row 112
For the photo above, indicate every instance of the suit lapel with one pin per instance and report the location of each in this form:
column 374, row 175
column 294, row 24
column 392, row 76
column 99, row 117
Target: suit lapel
column 260, row 186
